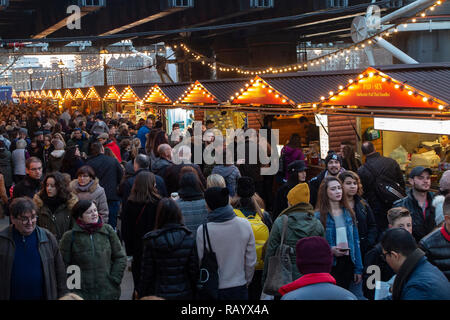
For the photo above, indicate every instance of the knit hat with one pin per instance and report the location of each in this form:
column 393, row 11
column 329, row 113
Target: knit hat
column 333, row 156
column 58, row 144
column 444, row 183
column 103, row 136
column 216, row 197
column 245, row 187
column 300, row 193
column 314, row 255
column 297, row 165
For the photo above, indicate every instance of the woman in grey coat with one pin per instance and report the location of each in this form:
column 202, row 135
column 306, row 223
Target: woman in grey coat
column 192, row 202
column 87, row 187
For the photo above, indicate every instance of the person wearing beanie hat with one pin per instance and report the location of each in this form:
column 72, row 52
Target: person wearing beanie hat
column 438, row 200
column 314, row 261
column 301, row 223
column 296, row 175
column 333, row 166
column 247, row 204
column 233, row 243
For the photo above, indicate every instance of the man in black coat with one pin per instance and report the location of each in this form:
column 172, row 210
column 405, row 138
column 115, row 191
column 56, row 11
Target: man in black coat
column 378, row 165
column 436, row 245
column 31, row 184
column 141, row 164
column 109, row 173
column 418, row 202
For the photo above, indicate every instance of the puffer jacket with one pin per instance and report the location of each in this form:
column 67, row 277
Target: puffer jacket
column 101, row 259
column 436, row 246
column 301, row 224
column 420, row 226
column 57, row 222
column 194, row 213
column 170, row 264
column 95, row 193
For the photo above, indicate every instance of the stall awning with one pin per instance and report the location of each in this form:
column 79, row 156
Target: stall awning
column 128, row 95
column 376, row 92
column 156, row 96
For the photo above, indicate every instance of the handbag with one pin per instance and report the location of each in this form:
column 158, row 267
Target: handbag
column 208, row 283
column 279, row 272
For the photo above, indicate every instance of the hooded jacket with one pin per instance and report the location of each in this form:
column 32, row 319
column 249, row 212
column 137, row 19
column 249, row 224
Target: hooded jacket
column 114, row 148
column 301, row 224
column 57, row 222
column 170, row 265
column 290, row 155
column 95, row 193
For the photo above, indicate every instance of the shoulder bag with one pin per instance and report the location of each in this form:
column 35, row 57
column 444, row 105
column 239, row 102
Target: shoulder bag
column 208, row 283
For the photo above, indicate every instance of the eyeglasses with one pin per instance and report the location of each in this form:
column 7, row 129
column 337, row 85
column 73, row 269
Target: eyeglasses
column 36, row 169
column 26, row 219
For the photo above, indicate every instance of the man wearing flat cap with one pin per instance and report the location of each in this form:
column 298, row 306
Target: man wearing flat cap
column 419, row 202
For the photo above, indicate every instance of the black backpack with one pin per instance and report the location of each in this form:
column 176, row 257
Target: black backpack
column 208, row 283
column 387, row 190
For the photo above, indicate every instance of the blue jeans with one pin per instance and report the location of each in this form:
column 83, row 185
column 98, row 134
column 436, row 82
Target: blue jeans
column 113, row 207
column 356, row 289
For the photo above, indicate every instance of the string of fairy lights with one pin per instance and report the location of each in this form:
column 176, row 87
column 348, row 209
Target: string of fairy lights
column 223, row 67
column 338, row 54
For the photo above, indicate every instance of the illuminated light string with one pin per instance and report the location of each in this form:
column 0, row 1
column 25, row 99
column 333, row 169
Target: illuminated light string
column 398, row 85
column 313, row 62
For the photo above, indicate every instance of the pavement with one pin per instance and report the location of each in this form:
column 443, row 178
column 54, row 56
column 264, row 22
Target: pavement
column 127, row 281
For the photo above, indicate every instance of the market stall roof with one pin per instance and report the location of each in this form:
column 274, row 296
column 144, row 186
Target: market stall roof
column 388, row 91
column 101, row 90
column 37, row 94
column 14, row 94
column 43, row 94
column 111, row 94
column 22, row 94
column 68, row 95
column 128, row 95
column 92, row 94
column 78, row 94
column 225, row 88
column 174, row 91
column 58, row 95
column 141, row 90
column 197, row 94
column 156, row 96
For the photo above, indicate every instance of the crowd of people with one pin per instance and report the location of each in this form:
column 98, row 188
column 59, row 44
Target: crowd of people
column 91, row 190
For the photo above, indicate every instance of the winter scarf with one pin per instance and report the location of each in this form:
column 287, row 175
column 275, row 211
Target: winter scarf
column 405, row 271
column 306, row 280
column 90, row 228
column 86, row 187
column 221, row 214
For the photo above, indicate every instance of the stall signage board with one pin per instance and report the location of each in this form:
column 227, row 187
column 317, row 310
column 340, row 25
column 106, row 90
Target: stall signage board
column 413, row 125
column 323, row 135
column 378, row 91
column 260, row 93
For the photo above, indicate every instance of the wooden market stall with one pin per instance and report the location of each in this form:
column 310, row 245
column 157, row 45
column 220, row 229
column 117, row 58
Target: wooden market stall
column 93, row 101
column 111, row 99
column 408, row 106
column 129, row 101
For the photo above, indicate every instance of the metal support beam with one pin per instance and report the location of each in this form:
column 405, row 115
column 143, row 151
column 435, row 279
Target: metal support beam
column 394, row 50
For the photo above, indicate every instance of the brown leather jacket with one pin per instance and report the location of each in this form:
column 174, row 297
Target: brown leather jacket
column 52, row 264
